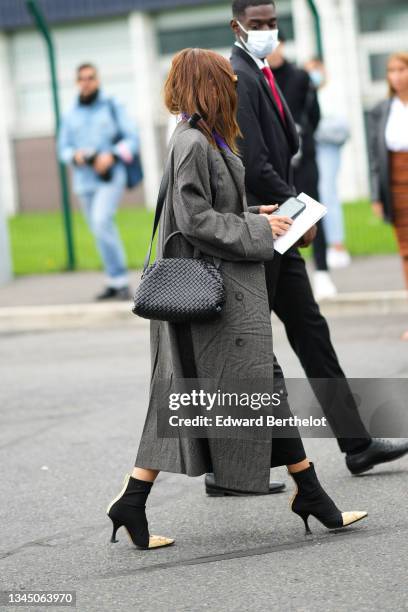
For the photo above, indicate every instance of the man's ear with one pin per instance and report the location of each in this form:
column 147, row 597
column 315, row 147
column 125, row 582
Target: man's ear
column 234, row 26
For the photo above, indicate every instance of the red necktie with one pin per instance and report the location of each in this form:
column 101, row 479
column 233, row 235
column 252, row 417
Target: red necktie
column 271, row 80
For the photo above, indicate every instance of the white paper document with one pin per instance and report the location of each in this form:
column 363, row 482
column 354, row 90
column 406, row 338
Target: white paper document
column 313, row 212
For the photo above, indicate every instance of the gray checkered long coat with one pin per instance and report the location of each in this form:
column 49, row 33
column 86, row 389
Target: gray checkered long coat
column 236, row 345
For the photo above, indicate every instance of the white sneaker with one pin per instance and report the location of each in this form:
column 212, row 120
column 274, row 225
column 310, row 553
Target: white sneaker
column 337, row 259
column 323, row 286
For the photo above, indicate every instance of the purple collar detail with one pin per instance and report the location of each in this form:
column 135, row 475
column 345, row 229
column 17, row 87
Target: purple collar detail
column 217, row 137
column 221, row 142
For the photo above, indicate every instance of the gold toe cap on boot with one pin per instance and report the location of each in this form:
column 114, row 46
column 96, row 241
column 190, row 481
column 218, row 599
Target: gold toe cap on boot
column 156, row 541
column 352, row 517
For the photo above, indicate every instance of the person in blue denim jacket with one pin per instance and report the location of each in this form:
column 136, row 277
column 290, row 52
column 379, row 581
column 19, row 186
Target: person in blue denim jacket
column 88, row 141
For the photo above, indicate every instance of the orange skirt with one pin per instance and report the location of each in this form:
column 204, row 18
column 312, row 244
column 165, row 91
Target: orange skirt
column 399, row 191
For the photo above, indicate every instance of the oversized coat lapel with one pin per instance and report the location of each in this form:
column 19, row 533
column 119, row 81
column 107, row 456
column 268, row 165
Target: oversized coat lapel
column 237, row 172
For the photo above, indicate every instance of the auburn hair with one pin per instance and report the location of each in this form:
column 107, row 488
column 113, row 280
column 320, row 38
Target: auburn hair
column 203, row 82
column 401, row 56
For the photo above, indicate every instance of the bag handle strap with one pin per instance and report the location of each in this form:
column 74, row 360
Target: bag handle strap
column 159, row 206
column 161, row 198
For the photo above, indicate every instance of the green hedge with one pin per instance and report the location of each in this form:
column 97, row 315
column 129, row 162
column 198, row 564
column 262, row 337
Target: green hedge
column 38, row 244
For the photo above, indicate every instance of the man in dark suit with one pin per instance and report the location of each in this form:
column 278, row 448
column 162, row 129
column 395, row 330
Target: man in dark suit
column 301, row 97
column 269, row 142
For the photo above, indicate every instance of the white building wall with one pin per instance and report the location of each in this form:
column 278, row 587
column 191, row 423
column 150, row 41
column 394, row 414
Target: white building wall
column 125, row 50
column 355, row 162
column 104, row 43
column 305, row 40
column 7, row 187
column 341, row 95
column 8, row 195
column 147, row 83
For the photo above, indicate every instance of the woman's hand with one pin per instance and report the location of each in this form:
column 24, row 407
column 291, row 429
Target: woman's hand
column 279, row 225
column 267, row 209
column 378, row 209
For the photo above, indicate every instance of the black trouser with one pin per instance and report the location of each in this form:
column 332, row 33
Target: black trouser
column 291, row 298
column 290, row 450
column 306, row 179
column 320, row 249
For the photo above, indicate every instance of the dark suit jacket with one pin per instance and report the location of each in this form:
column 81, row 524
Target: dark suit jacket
column 268, row 145
column 301, row 96
column 379, row 158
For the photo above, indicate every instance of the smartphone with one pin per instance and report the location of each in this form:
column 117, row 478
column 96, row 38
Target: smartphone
column 291, row 208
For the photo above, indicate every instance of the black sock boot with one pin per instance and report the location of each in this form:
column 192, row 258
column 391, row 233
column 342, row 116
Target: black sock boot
column 129, row 509
column 311, row 499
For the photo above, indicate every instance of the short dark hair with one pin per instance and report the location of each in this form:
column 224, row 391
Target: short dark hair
column 84, row 66
column 240, row 6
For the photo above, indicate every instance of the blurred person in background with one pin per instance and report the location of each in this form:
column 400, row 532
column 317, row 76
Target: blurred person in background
column 388, row 148
column 331, row 135
column 97, row 138
column 301, row 96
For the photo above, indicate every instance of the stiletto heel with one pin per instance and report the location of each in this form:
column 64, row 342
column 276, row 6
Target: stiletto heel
column 310, row 499
column 116, row 526
column 305, row 517
column 128, row 509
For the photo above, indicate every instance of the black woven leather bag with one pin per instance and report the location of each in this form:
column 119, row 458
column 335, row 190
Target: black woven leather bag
column 178, row 289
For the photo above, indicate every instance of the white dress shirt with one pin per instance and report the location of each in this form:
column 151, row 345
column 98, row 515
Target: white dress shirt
column 396, row 131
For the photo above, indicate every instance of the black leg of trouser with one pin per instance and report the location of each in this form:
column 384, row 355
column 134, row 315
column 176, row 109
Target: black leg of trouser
column 188, row 367
column 186, row 350
column 306, row 178
column 291, row 297
column 319, row 249
column 290, row 450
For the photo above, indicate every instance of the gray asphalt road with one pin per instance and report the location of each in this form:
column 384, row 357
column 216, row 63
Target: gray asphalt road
column 72, row 409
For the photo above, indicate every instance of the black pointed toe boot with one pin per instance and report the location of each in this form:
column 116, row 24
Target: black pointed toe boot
column 128, row 509
column 311, row 499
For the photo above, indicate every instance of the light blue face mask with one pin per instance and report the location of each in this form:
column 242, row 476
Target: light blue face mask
column 317, row 78
column 260, row 42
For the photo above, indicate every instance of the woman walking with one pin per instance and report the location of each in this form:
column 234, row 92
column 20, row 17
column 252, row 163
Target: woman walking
column 206, row 203
column 388, row 140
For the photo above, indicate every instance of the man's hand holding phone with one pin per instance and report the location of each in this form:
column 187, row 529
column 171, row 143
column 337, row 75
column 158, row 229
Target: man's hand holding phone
column 307, row 239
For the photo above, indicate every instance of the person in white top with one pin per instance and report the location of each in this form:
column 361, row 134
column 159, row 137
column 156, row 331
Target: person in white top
column 388, row 147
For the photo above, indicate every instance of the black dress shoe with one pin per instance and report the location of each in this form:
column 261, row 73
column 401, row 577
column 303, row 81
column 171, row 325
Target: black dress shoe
column 213, row 490
column 379, row 451
column 110, row 293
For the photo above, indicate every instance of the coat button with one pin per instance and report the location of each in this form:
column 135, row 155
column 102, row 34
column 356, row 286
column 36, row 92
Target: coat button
column 239, row 296
column 239, row 342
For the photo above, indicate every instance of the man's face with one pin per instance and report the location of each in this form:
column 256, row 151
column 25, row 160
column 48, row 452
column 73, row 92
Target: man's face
column 87, row 81
column 262, row 17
